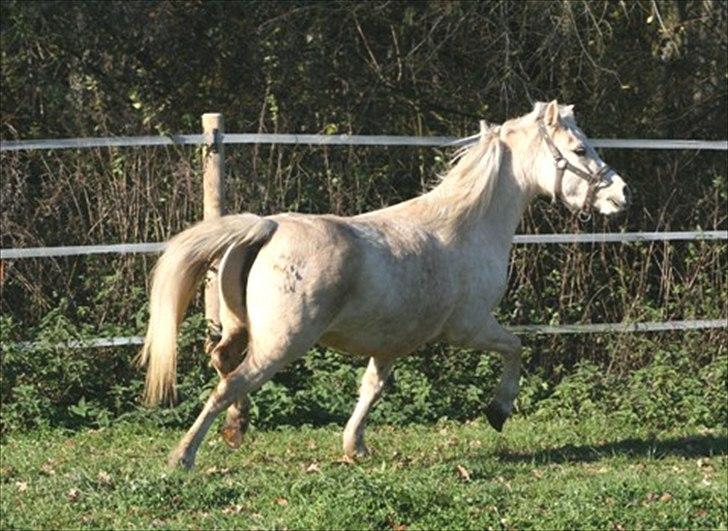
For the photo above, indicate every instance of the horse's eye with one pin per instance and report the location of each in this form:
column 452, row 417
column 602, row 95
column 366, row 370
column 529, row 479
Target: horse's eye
column 580, row 151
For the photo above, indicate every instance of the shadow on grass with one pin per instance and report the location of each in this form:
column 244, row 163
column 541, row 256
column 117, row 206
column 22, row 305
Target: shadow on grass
column 691, row 446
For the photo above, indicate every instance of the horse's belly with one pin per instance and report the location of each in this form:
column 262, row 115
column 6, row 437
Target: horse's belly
column 384, row 335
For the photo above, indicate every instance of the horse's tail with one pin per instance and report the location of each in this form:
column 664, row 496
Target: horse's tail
column 174, row 280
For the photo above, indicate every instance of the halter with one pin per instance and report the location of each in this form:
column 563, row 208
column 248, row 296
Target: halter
column 595, row 180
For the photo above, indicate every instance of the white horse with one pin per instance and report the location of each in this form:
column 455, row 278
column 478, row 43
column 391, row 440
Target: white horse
column 380, row 284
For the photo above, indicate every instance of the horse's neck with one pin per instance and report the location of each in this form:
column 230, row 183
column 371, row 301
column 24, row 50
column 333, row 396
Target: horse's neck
column 504, row 212
column 488, row 229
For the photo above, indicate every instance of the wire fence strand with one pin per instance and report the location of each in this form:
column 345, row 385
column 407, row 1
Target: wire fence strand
column 330, row 140
column 601, row 237
column 589, row 328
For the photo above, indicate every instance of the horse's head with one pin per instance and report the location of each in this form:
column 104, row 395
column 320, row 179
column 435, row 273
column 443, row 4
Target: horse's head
column 565, row 165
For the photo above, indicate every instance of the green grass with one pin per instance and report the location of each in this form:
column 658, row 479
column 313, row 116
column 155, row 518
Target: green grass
column 595, row 473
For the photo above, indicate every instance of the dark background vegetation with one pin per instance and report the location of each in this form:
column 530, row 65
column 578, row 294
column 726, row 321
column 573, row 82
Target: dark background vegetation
column 637, row 69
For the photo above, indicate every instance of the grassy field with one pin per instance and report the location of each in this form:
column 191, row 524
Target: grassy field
column 537, row 474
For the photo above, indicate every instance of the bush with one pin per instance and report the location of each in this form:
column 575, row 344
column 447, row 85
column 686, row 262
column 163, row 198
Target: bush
column 48, row 385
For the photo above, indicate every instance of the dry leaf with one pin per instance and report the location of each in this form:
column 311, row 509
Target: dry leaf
column 281, row 501
column 47, row 469
column 502, row 480
column 233, row 509
column 399, row 527
column 73, row 494
column 665, row 497
column 463, row 473
column 22, row 486
column 105, row 479
column 313, row 467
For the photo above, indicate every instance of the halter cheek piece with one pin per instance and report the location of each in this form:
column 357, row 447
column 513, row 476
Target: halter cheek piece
column 596, row 181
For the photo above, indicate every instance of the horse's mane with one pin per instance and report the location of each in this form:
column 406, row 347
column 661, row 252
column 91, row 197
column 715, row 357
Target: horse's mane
column 469, row 183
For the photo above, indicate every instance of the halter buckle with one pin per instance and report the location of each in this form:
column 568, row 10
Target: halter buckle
column 561, row 163
column 584, row 216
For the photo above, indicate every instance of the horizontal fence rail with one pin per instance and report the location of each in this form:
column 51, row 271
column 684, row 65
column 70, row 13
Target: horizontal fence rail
column 597, row 328
column 330, row 140
column 590, row 328
column 78, row 250
column 599, row 237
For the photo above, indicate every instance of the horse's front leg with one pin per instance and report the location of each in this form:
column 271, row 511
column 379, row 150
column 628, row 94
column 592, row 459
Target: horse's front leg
column 496, row 338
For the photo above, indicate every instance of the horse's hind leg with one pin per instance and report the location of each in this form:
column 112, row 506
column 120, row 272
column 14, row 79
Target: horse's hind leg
column 237, row 420
column 265, row 357
column 229, row 352
column 226, row 355
column 372, row 385
column 246, row 378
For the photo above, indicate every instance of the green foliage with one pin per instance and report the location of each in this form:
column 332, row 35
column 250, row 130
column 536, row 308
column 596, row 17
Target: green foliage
column 47, row 385
column 671, row 390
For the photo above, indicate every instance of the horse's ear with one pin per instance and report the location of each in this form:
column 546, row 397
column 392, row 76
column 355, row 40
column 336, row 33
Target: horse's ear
column 483, row 130
column 551, row 114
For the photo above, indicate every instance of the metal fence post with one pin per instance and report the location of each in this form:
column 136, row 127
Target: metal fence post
column 213, row 186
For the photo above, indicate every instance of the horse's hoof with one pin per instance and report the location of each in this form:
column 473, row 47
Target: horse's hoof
column 360, row 451
column 178, row 460
column 495, row 416
column 232, row 436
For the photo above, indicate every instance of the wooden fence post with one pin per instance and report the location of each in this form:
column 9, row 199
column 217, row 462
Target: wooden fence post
column 213, row 186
